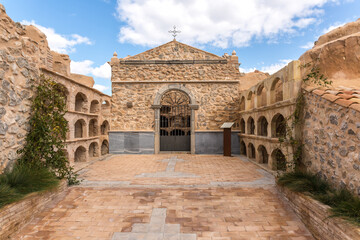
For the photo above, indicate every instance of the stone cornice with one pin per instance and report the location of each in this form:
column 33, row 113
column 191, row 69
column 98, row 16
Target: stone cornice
column 73, row 81
column 179, row 81
column 143, row 62
column 281, row 104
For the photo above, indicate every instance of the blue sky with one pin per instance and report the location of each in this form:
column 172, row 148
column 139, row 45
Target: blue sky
column 266, row 34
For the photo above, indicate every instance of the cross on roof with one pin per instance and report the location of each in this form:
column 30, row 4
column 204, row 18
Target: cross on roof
column 174, row 32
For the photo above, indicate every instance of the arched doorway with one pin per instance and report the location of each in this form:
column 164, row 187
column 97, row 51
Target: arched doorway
column 279, row 160
column 251, row 151
column 263, row 155
column 243, row 148
column 175, row 115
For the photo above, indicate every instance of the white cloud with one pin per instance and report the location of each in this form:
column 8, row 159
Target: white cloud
column 334, row 26
column 86, row 67
column 308, row 45
column 247, row 70
column 273, row 68
column 57, row 42
column 101, row 88
column 219, row 23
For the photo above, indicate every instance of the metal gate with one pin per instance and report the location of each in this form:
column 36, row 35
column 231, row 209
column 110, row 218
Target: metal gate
column 175, row 124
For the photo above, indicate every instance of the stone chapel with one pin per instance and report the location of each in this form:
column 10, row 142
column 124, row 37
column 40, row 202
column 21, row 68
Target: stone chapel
column 173, row 98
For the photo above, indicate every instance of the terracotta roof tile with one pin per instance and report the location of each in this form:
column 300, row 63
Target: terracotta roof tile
column 355, row 100
column 333, row 92
column 344, row 103
column 330, row 97
column 309, row 88
column 348, row 92
column 355, row 107
column 319, row 92
column 357, row 95
column 345, row 96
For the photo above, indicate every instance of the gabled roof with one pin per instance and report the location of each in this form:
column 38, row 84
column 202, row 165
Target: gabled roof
column 174, row 50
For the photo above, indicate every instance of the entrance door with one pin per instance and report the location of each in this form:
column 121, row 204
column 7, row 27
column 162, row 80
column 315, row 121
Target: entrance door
column 175, row 122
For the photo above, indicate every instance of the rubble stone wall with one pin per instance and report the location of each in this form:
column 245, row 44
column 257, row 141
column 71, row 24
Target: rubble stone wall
column 131, row 104
column 331, row 137
column 22, row 51
column 165, row 72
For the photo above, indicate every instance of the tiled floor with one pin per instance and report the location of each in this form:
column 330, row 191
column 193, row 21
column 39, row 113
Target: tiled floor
column 143, row 197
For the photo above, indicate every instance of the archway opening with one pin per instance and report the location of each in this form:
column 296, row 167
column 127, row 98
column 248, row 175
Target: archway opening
column 251, row 125
column 79, row 129
column 105, row 128
column 104, row 147
column 105, row 106
column 276, row 91
column 93, row 128
column 242, row 104
column 278, row 126
column 94, row 106
column 94, row 150
column 80, row 154
column 251, row 100
column 175, row 121
column 80, row 102
column 63, row 91
column 242, row 148
column 262, row 127
column 251, row 151
column 279, row 160
column 261, row 96
column 263, row 155
column 242, row 125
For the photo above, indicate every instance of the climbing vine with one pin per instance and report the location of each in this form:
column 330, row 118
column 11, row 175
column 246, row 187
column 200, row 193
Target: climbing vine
column 45, row 140
column 295, row 120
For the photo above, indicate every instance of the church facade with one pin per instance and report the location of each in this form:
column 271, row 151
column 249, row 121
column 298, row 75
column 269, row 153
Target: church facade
column 174, row 98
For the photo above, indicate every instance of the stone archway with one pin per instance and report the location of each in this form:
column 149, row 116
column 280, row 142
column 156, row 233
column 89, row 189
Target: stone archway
column 157, row 107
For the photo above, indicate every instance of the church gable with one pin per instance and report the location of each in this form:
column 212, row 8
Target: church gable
column 174, row 51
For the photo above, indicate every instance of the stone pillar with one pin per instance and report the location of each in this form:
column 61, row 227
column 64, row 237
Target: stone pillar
column 192, row 140
column 157, row 128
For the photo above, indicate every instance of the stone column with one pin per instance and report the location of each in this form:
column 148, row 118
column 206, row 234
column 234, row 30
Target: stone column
column 157, row 128
column 192, row 139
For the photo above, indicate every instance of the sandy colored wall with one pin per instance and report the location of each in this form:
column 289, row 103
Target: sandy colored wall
column 218, row 103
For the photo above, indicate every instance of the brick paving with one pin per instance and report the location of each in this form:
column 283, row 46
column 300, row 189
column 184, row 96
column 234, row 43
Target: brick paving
column 218, row 203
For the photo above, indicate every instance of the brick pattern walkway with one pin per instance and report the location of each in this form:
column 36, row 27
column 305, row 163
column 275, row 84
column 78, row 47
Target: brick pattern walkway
column 142, row 211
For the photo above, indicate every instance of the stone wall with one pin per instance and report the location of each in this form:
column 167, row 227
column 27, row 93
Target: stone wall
column 131, row 104
column 331, row 137
column 315, row 216
column 167, row 72
column 24, row 55
column 22, row 51
column 95, row 109
column 263, row 108
column 16, row 215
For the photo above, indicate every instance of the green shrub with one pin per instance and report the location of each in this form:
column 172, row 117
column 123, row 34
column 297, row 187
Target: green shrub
column 8, row 195
column 342, row 202
column 349, row 210
column 25, row 179
column 304, row 182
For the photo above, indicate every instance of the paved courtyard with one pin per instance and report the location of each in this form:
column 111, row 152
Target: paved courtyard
column 169, row 197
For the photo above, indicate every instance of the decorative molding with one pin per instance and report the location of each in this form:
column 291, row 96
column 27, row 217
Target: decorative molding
column 142, row 62
column 179, row 81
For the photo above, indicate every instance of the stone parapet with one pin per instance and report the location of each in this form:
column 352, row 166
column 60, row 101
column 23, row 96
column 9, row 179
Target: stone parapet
column 316, row 217
column 14, row 216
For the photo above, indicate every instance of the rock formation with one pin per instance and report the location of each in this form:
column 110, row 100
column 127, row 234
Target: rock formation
column 337, row 54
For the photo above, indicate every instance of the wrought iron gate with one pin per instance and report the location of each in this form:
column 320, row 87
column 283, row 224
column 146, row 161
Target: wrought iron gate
column 175, row 122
